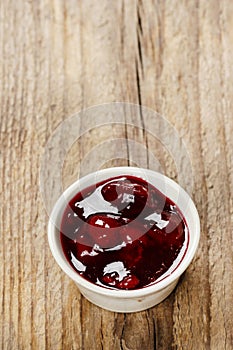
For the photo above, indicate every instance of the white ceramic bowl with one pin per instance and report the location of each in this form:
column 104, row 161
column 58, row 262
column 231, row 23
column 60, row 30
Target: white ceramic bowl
column 127, row 300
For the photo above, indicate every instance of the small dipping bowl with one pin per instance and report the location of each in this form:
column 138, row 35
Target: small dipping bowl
column 137, row 299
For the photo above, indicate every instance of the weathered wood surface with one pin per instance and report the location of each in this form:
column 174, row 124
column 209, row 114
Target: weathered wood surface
column 58, row 57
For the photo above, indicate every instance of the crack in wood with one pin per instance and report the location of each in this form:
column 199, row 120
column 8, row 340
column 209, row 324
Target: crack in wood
column 122, row 332
column 141, row 113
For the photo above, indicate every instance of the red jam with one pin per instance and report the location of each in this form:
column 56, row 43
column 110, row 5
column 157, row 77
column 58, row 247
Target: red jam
column 123, row 233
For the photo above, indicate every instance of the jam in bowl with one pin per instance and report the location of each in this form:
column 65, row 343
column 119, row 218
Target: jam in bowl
column 124, row 235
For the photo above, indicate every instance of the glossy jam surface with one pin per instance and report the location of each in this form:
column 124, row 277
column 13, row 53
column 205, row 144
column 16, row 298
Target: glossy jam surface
column 122, row 233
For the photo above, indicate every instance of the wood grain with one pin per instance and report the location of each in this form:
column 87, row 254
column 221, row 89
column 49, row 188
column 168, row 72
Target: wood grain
column 59, row 57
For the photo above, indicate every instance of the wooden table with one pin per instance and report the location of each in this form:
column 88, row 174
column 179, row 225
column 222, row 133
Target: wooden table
column 59, row 57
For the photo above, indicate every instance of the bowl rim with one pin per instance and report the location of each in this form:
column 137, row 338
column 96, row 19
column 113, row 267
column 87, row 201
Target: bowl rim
column 89, row 179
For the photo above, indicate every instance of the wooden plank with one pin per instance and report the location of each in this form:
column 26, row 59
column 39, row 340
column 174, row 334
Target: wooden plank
column 60, row 57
